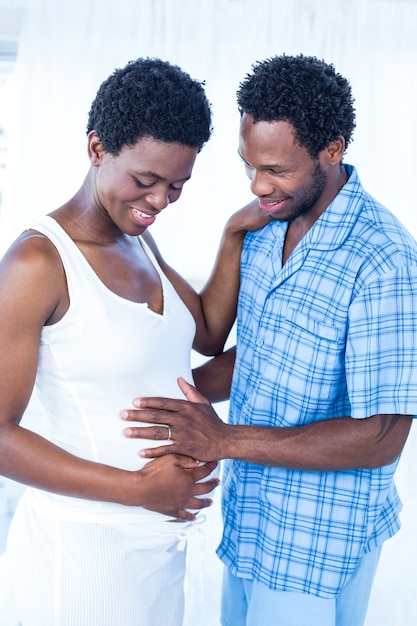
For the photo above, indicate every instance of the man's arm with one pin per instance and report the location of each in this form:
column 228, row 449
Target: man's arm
column 330, row 445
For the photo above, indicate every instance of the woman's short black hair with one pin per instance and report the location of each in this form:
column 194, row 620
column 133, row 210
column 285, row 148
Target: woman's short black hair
column 303, row 91
column 150, row 98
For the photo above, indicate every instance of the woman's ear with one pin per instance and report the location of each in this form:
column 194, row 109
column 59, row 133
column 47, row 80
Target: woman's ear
column 95, row 148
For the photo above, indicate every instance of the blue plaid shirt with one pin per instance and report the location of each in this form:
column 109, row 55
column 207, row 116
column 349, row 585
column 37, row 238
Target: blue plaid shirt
column 332, row 333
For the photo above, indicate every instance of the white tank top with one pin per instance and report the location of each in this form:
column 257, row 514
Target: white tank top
column 102, row 354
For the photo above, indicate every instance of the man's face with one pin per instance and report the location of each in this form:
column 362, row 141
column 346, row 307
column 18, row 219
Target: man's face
column 283, row 175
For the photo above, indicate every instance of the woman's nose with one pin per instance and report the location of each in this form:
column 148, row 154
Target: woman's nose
column 159, row 199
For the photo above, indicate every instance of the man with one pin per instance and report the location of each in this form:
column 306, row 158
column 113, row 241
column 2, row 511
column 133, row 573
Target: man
column 324, row 385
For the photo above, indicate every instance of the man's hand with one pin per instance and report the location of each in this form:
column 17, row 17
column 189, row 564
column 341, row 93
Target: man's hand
column 196, row 429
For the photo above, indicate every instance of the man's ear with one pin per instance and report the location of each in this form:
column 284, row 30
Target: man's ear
column 335, row 151
column 95, row 148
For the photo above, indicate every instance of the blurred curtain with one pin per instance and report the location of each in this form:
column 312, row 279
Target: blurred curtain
column 67, row 48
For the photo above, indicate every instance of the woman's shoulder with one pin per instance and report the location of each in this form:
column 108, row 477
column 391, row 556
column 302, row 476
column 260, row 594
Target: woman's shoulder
column 34, row 249
column 31, row 271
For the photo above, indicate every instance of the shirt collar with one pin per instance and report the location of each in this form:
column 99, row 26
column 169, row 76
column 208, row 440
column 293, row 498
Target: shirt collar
column 336, row 222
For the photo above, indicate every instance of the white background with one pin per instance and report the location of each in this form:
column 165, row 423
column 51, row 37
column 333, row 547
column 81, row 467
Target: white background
column 67, row 47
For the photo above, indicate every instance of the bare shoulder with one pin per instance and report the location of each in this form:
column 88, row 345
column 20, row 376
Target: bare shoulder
column 31, row 254
column 31, row 274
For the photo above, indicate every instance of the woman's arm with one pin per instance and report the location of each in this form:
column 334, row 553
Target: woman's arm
column 33, row 293
column 213, row 379
column 214, row 308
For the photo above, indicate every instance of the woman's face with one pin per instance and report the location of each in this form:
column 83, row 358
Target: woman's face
column 135, row 186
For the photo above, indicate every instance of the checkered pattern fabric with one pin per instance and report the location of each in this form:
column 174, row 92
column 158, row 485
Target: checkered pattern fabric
column 332, row 333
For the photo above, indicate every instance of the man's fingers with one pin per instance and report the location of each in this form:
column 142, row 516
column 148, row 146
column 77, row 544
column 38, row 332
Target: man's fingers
column 153, row 453
column 155, row 416
column 190, row 392
column 156, row 433
column 159, row 404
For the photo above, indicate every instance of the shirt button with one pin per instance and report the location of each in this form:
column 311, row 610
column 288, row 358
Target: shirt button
column 260, row 342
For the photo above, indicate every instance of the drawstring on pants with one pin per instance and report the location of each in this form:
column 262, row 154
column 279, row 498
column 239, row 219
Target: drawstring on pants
column 191, row 534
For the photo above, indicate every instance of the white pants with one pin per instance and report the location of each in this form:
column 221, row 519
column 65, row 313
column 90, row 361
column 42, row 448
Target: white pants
column 64, row 573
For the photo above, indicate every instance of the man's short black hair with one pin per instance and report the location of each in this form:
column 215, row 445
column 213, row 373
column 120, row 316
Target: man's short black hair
column 304, row 91
column 150, row 98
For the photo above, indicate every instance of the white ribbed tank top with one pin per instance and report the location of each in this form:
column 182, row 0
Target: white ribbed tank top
column 102, row 354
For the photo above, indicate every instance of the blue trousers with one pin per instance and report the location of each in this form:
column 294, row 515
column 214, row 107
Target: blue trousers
column 247, row 603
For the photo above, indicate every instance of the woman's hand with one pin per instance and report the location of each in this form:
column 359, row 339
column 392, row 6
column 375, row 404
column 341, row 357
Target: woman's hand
column 170, row 485
column 249, row 218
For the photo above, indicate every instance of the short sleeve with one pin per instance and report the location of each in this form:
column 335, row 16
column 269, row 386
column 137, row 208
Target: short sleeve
column 381, row 347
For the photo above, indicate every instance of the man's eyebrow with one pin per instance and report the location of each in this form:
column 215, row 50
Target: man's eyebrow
column 241, row 156
column 262, row 167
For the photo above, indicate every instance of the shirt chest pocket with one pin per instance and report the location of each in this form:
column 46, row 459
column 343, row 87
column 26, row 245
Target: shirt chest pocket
column 312, row 326
column 305, row 349
column 303, row 369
